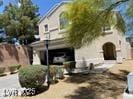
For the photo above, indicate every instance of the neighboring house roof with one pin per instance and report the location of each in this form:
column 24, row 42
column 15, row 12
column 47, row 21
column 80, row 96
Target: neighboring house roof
column 52, row 10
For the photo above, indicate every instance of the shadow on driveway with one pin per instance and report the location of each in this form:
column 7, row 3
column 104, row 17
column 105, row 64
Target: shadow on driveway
column 99, row 86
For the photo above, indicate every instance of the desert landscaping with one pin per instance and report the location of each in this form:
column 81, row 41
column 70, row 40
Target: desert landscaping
column 107, row 85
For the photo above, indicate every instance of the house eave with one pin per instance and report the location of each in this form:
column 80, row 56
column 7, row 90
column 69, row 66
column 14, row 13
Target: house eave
column 52, row 42
column 52, row 10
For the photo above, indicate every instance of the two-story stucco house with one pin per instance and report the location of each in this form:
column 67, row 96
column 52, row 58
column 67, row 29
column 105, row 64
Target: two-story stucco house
column 111, row 46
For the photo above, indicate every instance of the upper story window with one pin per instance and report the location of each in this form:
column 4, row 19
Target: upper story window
column 63, row 20
column 46, row 27
column 107, row 28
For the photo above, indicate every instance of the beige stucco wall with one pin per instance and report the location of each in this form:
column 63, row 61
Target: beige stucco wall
column 92, row 53
column 129, row 51
column 42, row 29
column 53, row 23
column 88, row 54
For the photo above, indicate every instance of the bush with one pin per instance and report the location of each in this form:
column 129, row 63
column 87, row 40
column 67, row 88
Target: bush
column 56, row 72
column 14, row 68
column 2, row 70
column 32, row 76
column 18, row 66
column 60, row 73
column 53, row 72
column 69, row 65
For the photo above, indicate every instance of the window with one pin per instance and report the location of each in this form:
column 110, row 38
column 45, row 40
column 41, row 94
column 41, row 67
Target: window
column 46, row 27
column 63, row 20
column 106, row 28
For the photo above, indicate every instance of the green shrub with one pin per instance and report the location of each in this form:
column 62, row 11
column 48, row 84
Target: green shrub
column 14, row 68
column 18, row 66
column 32, row 76
column 2, row 70
column 69, row 65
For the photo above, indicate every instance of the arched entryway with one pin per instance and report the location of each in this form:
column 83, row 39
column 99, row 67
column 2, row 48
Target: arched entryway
column 109, row 51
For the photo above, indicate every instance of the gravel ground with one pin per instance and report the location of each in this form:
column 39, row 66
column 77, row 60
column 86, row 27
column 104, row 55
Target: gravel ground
column 108, row 85
column 125, row 66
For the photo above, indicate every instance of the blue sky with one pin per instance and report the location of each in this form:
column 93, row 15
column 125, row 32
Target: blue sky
column 44, row 5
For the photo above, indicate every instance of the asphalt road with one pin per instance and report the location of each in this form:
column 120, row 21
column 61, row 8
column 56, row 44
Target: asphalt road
column 8, row 84
column 9, row 81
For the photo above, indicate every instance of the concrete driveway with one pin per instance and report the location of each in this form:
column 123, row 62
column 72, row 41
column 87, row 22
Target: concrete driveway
column 7, row 85
column 9, row 81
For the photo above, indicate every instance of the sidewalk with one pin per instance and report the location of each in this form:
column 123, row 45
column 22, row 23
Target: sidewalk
column 9, row 81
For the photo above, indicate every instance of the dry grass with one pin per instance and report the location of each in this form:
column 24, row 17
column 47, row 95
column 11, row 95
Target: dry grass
column 108, row 85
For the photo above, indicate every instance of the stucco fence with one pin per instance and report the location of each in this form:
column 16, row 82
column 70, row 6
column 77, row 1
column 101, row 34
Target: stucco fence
column 12, row 55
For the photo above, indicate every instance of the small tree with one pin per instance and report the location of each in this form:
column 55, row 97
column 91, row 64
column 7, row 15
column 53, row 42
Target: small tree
column 20, row 21
column 87, row 18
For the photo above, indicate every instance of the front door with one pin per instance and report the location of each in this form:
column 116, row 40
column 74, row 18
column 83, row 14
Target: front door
column 109, row 51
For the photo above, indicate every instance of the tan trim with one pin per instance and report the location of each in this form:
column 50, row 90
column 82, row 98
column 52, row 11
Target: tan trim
column 52, row 10
column 53, row 44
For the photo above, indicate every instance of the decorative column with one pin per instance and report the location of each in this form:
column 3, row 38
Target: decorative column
column 119, row 56
column 101, row 52
column 36, row 57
